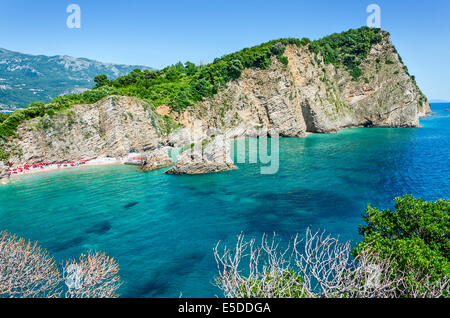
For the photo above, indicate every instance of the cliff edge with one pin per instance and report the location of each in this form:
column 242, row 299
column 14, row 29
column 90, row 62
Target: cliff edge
column 300, row 91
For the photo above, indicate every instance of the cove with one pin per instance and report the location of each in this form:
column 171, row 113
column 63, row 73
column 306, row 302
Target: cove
column 162, row 228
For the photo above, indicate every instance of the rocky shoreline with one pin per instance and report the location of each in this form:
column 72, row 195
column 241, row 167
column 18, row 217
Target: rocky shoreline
column 301, row 97
column 157, row 159
column 212, row 156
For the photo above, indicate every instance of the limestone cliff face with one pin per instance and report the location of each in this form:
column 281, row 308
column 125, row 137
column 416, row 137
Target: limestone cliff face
column 4, row 173
column 306, row 95
column 309, row 96
column 111, row 127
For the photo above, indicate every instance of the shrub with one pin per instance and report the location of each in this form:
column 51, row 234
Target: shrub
column 416, row 234
column 101, row 80
column 404, row 253
column 28, row 271
column 182, row 85
column 347, row 48
column 235, row 68
column 318, row 266
column 3, row 117
column 3, row 154
column 283, row 59
column 277, row 49
column 97, row 276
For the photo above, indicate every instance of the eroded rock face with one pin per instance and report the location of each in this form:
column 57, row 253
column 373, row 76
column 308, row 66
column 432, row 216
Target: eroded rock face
column 207, row 156
column 111, row 127
column 4, row 173
column 310, row 96
column 158, row 159
column 304, row 96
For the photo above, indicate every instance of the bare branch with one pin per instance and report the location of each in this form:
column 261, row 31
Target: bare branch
column 318, row 266
column 26, row 270
column 94, row 275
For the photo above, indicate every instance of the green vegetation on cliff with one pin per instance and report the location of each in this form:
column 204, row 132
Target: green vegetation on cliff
column 3, row 117
column 347, row 48
column 183, row 85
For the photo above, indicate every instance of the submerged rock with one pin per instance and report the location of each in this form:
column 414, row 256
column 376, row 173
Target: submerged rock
column 208, row 156
column 158, row 159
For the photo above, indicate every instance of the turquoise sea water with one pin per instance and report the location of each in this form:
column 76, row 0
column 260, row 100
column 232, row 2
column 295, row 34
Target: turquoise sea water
column 162, row 228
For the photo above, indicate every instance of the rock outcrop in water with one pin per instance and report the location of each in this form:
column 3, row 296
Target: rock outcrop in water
column 304, row 96
column 211, row 155
column 157, row 159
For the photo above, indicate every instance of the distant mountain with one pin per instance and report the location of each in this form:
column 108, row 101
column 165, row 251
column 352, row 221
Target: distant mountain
column 27, row 78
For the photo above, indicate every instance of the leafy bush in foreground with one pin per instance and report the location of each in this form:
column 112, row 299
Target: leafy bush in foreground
column 404, row 253
column 416, row 236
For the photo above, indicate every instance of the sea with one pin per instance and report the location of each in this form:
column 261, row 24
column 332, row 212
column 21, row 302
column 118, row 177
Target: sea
column 162, row 228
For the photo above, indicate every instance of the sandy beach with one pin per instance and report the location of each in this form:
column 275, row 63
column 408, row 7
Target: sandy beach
column 100, row 161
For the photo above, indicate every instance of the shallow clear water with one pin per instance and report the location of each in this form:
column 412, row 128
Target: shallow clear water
column 162, row 228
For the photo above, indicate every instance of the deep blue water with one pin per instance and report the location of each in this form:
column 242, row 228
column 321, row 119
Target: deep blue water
column 162, row 228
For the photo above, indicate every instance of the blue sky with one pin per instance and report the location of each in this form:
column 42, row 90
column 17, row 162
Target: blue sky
column 159, row 33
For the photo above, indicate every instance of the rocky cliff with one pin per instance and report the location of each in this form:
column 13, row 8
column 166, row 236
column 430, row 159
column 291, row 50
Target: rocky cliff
column 112, row 127
column 304, row 96
column 4, row 173
column 307, row 95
